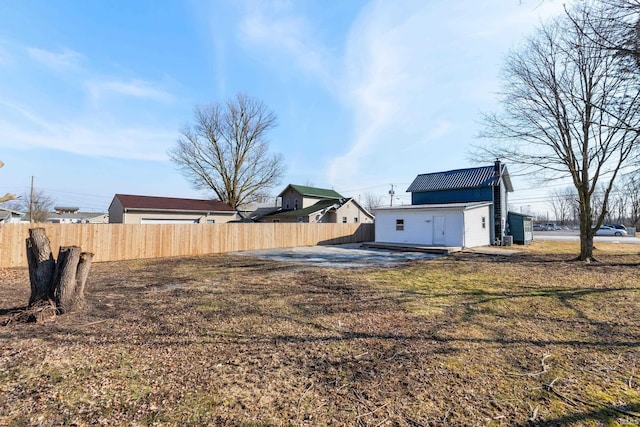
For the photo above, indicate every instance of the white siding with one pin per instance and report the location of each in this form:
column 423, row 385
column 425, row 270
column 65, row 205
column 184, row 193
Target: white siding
column 462, row 227
column 418, row 227
column 474, row 234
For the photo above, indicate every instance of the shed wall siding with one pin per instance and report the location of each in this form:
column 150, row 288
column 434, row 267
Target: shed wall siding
column 474, row 234
column 418, row 227
column 462, row 195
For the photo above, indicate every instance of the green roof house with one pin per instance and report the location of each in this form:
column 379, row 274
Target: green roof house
column 310, row 204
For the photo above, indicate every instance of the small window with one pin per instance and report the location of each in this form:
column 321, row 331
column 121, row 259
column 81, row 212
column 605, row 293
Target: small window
column 484, row 222
column 344, row 219
column 399, row 224
column 300, row 219
column 275, row 220
column 355, row 219
column 286, row 204
column 295, row 204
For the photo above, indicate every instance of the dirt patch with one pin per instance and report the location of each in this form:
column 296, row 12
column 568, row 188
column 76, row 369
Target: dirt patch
column 471, row 339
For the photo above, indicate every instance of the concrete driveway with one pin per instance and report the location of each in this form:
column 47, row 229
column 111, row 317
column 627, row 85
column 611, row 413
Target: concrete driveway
column 338, row 256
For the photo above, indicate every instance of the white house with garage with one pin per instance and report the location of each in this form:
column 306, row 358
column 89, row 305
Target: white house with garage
column 448, row 224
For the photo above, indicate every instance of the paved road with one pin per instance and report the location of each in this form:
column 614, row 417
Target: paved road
column 575, row 236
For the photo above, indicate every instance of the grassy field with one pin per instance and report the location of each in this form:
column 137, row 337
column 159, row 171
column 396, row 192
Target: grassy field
column 527, row 339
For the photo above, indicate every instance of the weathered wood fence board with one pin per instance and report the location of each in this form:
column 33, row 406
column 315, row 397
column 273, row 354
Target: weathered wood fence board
column 115, row 242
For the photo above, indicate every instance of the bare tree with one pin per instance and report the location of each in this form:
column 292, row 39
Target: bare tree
column 631, row 189
column 372, row 201
column 225, row 150
column 619, row 29
column 37, row 204
column 571, row 108
column 562, row 202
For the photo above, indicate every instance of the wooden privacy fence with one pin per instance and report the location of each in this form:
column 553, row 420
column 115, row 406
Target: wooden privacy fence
column 115, row 242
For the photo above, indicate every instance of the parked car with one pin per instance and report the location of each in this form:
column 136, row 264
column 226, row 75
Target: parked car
column 618, row 226
column 606, row 230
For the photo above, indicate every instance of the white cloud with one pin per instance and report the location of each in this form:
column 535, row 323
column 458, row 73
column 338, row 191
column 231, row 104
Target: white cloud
column 21, row 128
column 63, row 60
column 284, row 33
column 133, row 88
column 416, row 73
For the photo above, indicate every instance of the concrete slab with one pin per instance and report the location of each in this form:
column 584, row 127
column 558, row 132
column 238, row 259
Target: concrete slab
column 340, row 256
column 406, row 247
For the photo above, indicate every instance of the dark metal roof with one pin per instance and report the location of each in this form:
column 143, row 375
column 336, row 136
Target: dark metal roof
column 484, row 176
column 170, row 203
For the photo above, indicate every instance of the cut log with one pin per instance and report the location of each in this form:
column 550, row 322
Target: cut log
column 66, row 285
column 81, row 276
column 41, row 266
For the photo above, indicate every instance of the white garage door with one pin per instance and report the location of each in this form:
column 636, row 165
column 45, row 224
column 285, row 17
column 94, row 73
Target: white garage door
column 167, row 221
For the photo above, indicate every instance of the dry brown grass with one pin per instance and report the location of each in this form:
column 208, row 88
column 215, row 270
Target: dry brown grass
column 464, row 340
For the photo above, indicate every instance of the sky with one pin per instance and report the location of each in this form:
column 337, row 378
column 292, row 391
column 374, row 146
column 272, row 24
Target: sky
column 368, row 94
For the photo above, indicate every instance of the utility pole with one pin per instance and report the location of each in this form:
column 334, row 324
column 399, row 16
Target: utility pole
column 31, row 203
column 391, row 194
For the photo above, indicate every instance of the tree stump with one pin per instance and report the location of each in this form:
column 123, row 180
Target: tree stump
column 41, row 266
column 60, row 283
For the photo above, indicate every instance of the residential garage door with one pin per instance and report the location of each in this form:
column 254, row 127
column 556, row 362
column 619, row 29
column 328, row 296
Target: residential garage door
column 167, row 221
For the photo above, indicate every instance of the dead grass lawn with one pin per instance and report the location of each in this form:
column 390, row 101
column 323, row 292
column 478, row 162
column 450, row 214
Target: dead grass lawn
column 530, row 339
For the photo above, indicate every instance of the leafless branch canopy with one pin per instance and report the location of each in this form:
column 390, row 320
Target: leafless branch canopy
column 570, row 108
column 225, row 150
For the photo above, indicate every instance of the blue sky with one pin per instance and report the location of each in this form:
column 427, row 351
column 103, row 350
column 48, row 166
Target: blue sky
column 367, row 93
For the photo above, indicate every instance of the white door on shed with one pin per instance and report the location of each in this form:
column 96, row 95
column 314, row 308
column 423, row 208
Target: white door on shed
column 439, row 236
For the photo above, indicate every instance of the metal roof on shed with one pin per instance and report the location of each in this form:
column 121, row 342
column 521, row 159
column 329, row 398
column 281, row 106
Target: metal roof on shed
column 460, row 178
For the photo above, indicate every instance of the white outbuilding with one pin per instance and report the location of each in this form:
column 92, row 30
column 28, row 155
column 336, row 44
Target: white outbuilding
column 447, row 224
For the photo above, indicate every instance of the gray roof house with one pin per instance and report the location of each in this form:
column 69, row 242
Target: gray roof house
column 8, row 216
column 479, row 184
column 73, row 215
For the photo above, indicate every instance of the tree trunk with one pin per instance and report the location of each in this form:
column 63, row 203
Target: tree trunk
column 41, row 266
column 60, row 284
column 81, row 276
column 65, row 278
column 586, row 248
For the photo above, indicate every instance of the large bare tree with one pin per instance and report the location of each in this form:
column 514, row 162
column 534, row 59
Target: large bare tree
column 571, row 108
column 619, row 29
column 225, row 150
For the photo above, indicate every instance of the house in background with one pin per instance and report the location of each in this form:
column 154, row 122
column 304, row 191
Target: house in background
column 131, row 209
column 317, row 205
column 8, row 216
column 449, row 224
column 481, row 184
column 72, row 215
